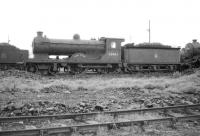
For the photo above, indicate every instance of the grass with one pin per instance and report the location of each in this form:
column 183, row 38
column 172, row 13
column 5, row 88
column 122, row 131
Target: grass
column 160, row 86
column 163, row 84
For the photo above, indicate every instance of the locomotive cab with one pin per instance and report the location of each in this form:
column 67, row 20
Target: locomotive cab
column 113, row 49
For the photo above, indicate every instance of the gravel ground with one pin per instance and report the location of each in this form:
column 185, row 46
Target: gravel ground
column 23, row 93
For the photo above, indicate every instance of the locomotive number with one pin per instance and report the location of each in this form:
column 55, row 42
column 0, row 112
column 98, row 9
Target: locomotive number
column 113, row 54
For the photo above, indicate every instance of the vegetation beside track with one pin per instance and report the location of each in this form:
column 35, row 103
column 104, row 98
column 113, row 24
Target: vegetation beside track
column 83, row 92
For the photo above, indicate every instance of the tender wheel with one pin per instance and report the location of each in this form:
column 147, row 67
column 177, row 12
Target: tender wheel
column 32, row 68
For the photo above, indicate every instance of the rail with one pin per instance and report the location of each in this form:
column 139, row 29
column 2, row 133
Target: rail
column 90, row 127
column 69, row 130
column 83, row 115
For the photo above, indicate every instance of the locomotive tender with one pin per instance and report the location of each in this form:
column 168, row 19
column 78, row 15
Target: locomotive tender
column 103, row 56
column 149, row 58
column 12, row 57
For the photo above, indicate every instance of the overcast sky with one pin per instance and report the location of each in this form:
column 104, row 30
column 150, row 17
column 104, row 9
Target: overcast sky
column 173, row 22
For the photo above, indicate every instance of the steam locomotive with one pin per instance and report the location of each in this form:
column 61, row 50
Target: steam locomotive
column 105, row 55
column 190, row 55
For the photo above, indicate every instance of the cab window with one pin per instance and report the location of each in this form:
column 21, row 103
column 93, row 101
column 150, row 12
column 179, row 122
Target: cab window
column 113, row 45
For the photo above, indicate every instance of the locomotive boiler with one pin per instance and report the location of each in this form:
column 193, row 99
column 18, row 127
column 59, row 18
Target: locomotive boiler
column 46, row 46
column 101, row 55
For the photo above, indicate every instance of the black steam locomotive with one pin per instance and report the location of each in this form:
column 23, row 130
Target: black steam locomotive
column 105, row 55
column 190, row 55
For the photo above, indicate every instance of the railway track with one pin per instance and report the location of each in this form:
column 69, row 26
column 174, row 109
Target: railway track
column 86, row 122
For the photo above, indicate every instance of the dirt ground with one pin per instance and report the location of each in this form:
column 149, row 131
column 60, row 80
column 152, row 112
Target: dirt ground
column 23, row 93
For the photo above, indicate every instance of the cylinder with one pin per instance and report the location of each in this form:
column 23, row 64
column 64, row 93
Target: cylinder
column 66, row 47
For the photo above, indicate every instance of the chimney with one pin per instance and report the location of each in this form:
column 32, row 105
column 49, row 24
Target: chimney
column 194, row 40
column 39, row 34
column 76, row 37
